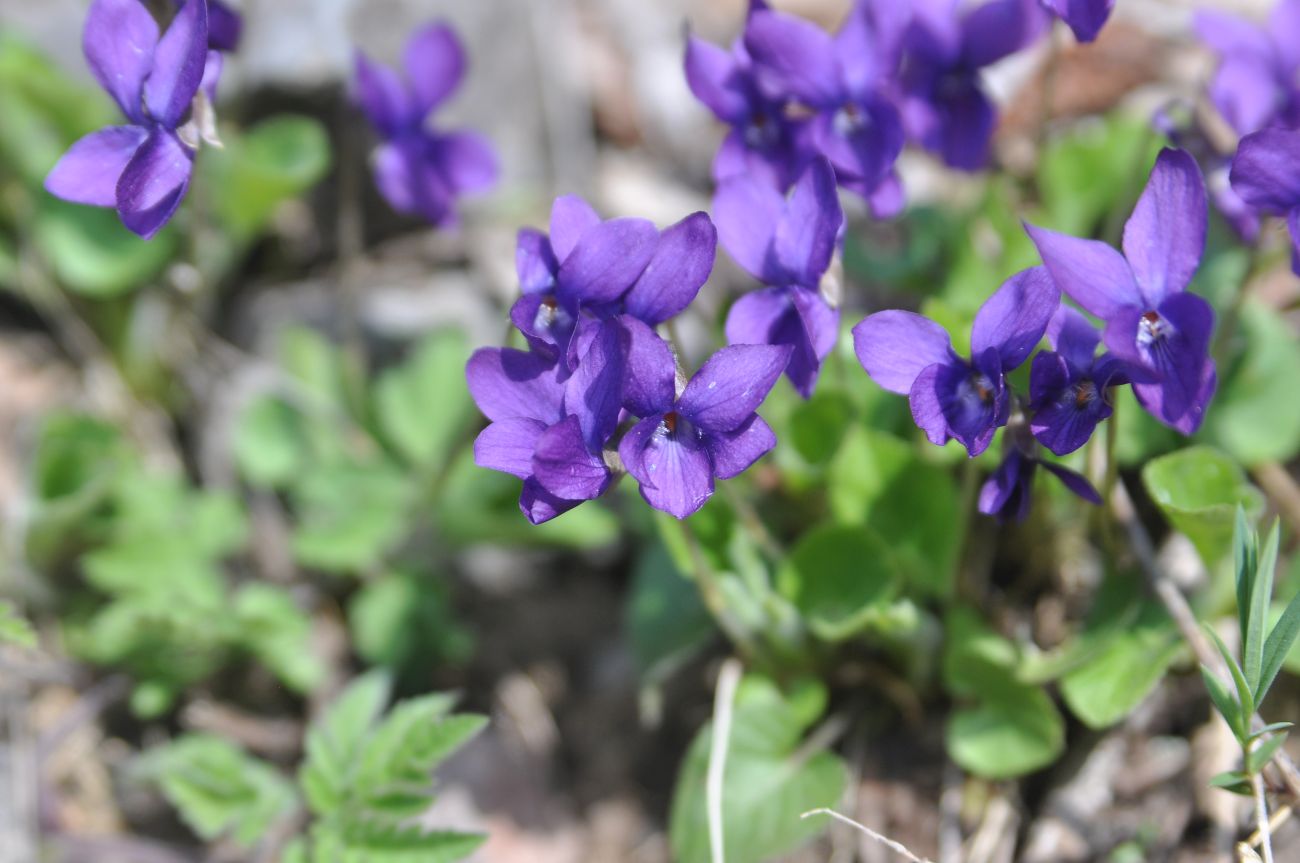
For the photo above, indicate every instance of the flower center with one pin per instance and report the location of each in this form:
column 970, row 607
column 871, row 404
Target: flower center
column 980, row 384
column 761, row 132
column 1085, row 393
column 850, row 119
column 670, row 422
column 1152, row 328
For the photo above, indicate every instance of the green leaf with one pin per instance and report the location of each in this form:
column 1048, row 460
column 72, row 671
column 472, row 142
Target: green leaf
column 394, row 776
column 1017, row 731
column 1245, row 698
column 838, row 578
column 363, row 842
column 1084, row 175
column 220, row 790
column 1108, row 687
column 767, row 782
column 1263, row 753
column 1228, row 708
column 976, row 661
column 278, row 633
column 1199, row 489
column 256, row 172
column 1279, row 643
column 93, row 254
column 403, row 621
column 269, row 443
column 13, row 628
column 1245, row 560
column 334, row 744
column 423, row 406
column 1256, row 416
column 350, row 515
column 1234, row 781
column 1260, row 597
column 818, row 425
column 666, row 620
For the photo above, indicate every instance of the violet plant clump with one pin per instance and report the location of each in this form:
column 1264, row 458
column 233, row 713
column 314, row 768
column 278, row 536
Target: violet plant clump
column 141, row 169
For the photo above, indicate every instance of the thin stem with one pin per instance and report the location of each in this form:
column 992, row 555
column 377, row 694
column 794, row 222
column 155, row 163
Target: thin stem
column 712, row 594
column 1261, row 817
column 724, row 700
column 1279, row 817
column 897, row 847
column 753, row 523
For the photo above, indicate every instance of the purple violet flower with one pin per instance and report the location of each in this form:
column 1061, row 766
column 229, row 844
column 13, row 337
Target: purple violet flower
column 711, row 431
column 142, row 169
column 530, row 436
column 1152, row 322
column 420, row 171
column 1266, row 175
column 1007, row 494
column 1256, row 83
column 1068, row 384
column 1085, row 18
column 952, row 397
column 594, row 269
column 225, row 26
column 787, row 244
column 764, row 140
column 945, row 108
column 843, row 80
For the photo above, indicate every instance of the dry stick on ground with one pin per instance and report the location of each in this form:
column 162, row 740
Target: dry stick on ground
column 897, row 847
column 1282, row 488
column 1176, row 604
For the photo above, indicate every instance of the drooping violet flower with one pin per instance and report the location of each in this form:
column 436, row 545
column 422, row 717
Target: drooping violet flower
column 530, row 436
column 141, row 169
column 1256, row 84
column 420, row 171
column 1007, row 494
column 765, row 142
column 787, row 244
column 1085, row 18
column 1068, row 384
column 843, row 80
column 605, row 268
column 1152, row 322
column 1266, row 175
column 225, row 25
column 952, row 397
column 945, row 108
column 711, row 431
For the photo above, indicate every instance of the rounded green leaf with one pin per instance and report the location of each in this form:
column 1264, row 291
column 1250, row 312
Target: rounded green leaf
column 838, row 578
column 1255, row 415
column 1016, row 733
column 1199, row 489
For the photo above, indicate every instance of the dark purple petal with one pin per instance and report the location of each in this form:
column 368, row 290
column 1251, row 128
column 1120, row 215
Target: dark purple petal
column 958, row 401
column 1073, row 336
column 594, row 394
column 794, row 56
column 896, row 346
column 734, row 451
column 119, row 42
column 606, row 261
column 682, row 261
column 383, row 97
column 715, row 79
column 178, row 63
column 650, row 384
column 1090, row 272
column 1293, row 226
column 1006, row 494
column 755, row 316
column 507, row 383
column 791, row 316
column 435, row 62
column 747, row 213
column 539, row 505
column 508, row 445
column 535, row 263
column 571, row 217
column 1165, row 236
column 547, row 325
column 1066, row 409
column 1074, row 482
column 88, row 172
column 563, row 465
column 1246, row 91
column 1172, row 342
column 999, row 28
column 820, row 325
column 1266, row 170
column 1013, row 320
column 212, row 68
column 412, row 182
column 806, row 233
column 868, row 43
column 154, row 182
column 225, row 26
column 862, row 140
column 466, row 160
column 1085, row 18
column 731, row 385
column 670, row 462
column 966, row 122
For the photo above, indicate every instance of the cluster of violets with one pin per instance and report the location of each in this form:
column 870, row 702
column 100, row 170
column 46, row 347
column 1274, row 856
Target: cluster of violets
column 165, row 83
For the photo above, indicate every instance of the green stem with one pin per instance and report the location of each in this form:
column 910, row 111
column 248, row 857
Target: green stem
column 753, row 523
column 1261, row 817
column 715, row 600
